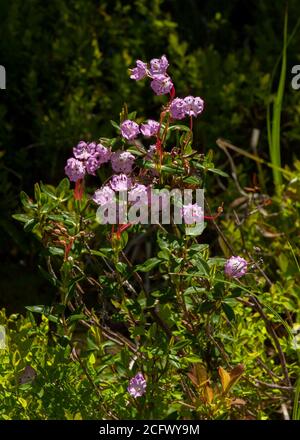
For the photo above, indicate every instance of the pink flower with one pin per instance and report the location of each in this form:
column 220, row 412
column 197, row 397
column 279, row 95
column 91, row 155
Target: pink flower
column 192, row 213
column 138, row 193
column 177, row 108
column 122, row 161
column 150, row 128
column 161, row 84
column 104, row 196
column 193, row 106
column 140, row 71
column 120, row 182
column 84, row 150
column 74, row 169
column 92, row 165
column 137, row 386
column 129, row 130
column 236, row 267
column 100, row 155
column 158, row 66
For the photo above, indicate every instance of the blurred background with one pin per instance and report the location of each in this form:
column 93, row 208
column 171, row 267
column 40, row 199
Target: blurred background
column 67, row 75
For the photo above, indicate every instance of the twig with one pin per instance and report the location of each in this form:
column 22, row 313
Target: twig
column 275, row 339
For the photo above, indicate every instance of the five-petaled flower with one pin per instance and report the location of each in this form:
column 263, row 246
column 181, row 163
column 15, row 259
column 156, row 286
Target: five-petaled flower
column 74, row 169
column 120, row 182
column 140, row 71
column 104, row 196
column 150, row 128
column 158, row 66
column 236, row 267
column 137, row 386
column 122, row 161
column 192, row 213
column 129, row 129
column 161, row 84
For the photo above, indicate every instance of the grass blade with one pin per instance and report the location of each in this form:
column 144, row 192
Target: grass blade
column 274, row 129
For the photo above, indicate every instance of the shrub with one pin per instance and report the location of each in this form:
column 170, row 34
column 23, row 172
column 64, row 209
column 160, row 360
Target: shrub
column 160, row 324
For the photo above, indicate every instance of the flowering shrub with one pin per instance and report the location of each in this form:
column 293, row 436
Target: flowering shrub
column 156, row 311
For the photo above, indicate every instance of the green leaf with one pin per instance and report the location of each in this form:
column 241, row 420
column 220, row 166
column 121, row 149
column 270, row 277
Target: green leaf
column 210, row 169
column 30, row 225
column 77, row 317
column 137, row 151
column 217, row 171
column 193, row 359
column 164, row 254
column 179, row 127
column 195, row 230
column 43, row 310
column 121, row 267
column 229, row 312
column 167, row 169
column 115, row 125
column 206, row 306
column 63, row 187
column 25, row 200
column 22, row 218
column 148, row 265
column 53, row 250
column 194, row 290
column 199, row 247
column 49, row 191
column 216, row 261
column 37, row 192
column 53, row 280
column 193, row 180
column 202, row 265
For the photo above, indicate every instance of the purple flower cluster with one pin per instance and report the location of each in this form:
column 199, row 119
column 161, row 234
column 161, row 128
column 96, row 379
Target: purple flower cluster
column 137, row 386
column 161, row 82
column 189, row 106
column 107, row 194
column 88, row 157
column 130, row 129
column 122, row 162
column 236, row 267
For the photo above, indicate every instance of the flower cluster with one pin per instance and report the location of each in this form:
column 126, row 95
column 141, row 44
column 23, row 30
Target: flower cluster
column 88, row 157
column 130, row 129
column 161, row 83
column 123, row 161
column 189, row 106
